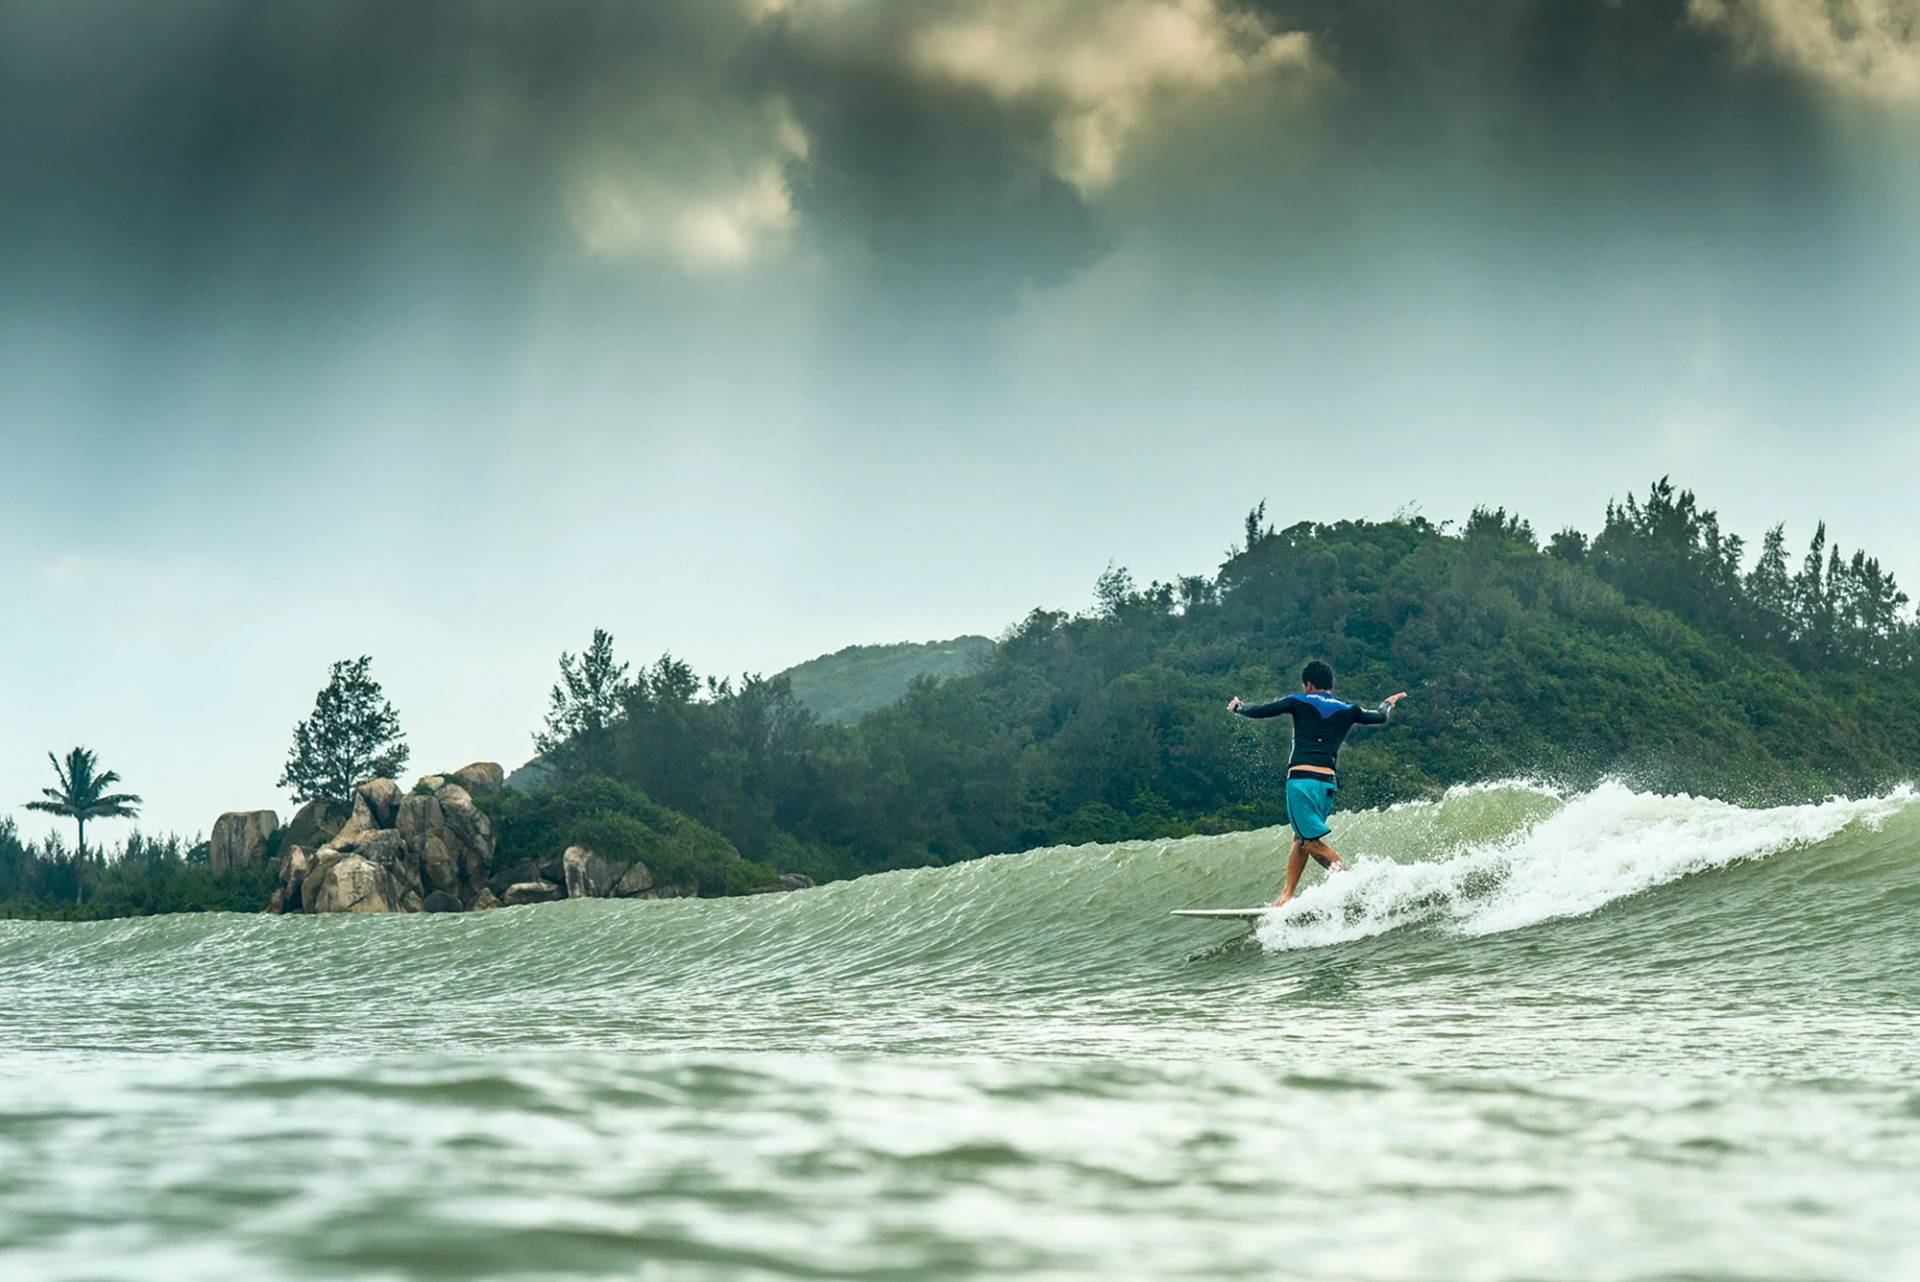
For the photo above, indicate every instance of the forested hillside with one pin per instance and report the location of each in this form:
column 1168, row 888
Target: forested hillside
column 1649, row 650
column 849, row 683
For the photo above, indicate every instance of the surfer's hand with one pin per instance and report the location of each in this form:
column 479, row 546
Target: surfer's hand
column 1233, row 704
column 1395, row 698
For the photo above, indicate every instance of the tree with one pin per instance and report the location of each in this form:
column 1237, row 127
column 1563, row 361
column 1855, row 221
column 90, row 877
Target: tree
column 353, row 736
column 582, row 709
column 83, row 795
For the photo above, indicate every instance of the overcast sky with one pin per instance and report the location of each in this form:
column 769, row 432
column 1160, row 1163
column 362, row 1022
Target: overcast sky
column 447, row 332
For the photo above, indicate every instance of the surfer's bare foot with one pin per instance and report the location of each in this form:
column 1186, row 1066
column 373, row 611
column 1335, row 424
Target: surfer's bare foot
column 1280, row 902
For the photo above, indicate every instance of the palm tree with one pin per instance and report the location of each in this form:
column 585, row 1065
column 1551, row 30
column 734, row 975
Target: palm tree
column 83, row 794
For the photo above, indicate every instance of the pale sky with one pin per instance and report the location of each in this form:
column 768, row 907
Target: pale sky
column 448, row 332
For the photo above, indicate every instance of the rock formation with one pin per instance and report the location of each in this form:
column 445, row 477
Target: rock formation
column 314, row 824
column 784, row 882
column 429, row 850
column 239, row 839
column 588, row 875
column 395, row 853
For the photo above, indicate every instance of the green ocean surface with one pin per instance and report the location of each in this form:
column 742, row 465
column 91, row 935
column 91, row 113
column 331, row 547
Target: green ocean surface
column 1611, row 1035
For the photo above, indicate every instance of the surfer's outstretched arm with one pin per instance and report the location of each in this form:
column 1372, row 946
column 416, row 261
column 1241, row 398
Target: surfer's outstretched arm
column 1271, row 708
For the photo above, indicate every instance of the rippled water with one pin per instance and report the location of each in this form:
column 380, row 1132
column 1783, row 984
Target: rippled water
column 1609, row 1036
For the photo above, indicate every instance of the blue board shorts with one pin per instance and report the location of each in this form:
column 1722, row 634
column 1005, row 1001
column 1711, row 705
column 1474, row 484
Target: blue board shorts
column 1309, row 802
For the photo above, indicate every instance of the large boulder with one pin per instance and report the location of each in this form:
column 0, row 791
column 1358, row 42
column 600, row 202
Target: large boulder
column 239, row 839
column 295, row 863
column 480, row 776
column 376, row 804
column 636, row 880
column 532, row 892
column 786, row 881
column 451, row 837
column 354, row 883
column 316, row 823
column 513, row 875
column 401, row 891
column 589, row 876
column 440, row 901
column 483, row 901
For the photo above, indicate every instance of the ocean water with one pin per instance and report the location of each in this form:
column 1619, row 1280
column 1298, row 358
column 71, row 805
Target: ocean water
column 1531, row 1036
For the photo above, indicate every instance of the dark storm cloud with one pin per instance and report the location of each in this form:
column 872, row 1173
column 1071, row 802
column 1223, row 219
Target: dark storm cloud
column 322, row 146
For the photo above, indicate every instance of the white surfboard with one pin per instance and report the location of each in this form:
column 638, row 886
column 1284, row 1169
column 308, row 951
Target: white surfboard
column 1224, row 914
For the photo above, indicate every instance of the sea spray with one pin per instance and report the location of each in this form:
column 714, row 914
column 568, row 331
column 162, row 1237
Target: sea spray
column 1594, row 849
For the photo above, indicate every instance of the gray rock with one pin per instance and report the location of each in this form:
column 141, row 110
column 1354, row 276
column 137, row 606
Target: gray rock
column 376, row 803
column 531, row 892
column 450, row 836
column 423, row 827
column 441, row 902
column 785, row 882
column 682, row 891
column 588, row 875
column 480, row 776
column 239, row 839
column 354, row 883
column 636, row 880
column 525, row 870
column 432, row 783
column 483, row 901
column 295, row 863
column 471, row 832
column 398, row 889
column 317, row 823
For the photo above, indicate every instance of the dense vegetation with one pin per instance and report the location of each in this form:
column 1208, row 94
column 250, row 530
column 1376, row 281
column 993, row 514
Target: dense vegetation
column 849, row 683
column 1645, row 651
column 139, row 877
column 621, row 824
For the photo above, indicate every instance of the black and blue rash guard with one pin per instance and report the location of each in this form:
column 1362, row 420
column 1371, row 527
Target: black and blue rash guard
column 1320, row 723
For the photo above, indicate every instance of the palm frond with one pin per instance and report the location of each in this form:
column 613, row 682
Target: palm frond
column 50, row 807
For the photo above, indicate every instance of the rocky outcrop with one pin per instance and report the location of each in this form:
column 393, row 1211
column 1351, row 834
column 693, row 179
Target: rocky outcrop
column 368, row 872
column 431, row 850
column 295, row 863
column 785, row 882
column 450, row 836
column 239, row 839
column 531, row 892
column 513, row 874
column 635, row 881
column 354, row 883
column 480, row 776
column 316, row 823
column 376, row 804
column 588, row 876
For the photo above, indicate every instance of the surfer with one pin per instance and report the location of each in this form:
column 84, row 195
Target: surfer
column 1320, row 723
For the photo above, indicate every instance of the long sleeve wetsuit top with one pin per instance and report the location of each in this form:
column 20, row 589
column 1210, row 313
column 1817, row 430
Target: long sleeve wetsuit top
column 1320, row 724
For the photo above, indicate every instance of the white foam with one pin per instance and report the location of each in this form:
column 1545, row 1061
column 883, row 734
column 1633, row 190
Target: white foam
column 1599, row 847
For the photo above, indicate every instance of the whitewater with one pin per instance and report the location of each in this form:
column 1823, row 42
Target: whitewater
column 1533, row 1034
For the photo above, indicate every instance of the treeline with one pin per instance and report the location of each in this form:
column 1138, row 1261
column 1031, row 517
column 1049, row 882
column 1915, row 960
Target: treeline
column 140, row 876
column 1645, row 651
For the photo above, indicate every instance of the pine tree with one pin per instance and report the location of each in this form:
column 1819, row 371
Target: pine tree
column 353, row 736
column 582, row 709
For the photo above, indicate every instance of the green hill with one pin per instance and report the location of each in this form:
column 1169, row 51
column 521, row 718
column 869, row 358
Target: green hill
column 849, row 683
column 1650, row 651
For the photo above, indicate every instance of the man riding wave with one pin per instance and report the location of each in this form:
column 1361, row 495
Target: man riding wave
column 1320, row 725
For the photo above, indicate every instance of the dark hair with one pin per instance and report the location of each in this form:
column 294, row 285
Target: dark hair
column 1318, row 674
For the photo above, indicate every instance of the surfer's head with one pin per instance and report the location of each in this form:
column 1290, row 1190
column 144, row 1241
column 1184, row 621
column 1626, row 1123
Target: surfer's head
column 1317, row 676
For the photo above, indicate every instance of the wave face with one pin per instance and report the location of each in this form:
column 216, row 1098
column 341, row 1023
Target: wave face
column 1605, row 1035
